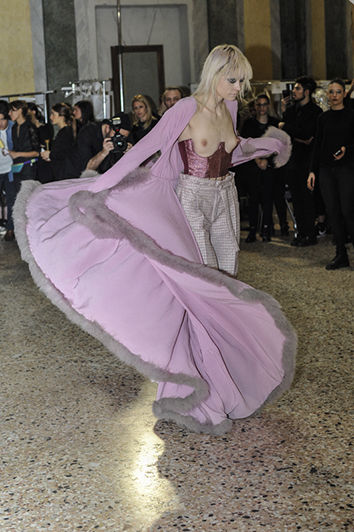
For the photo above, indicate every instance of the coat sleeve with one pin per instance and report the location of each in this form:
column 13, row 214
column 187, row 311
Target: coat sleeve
column 274, row 141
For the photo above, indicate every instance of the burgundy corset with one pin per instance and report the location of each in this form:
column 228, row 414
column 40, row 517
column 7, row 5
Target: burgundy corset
column 215, row 165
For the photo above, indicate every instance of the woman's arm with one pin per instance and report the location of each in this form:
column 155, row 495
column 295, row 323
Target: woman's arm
column 26, row 154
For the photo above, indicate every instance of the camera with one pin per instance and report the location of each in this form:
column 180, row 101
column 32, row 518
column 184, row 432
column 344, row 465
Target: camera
column 120, row 142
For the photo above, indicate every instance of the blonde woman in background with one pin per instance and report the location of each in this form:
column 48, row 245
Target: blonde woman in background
column 143, row 119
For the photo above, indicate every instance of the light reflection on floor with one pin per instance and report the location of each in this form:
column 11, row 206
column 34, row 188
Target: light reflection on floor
column 146, row 494
column 81, row 450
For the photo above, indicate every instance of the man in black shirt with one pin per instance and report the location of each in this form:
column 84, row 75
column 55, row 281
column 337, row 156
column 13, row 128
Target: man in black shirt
column 95, row 149
column 299, row 121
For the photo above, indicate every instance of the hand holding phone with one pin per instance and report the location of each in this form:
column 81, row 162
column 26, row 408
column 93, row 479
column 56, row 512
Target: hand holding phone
column 339, row 154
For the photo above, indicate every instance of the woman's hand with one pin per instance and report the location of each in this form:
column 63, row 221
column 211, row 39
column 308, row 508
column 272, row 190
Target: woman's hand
column 307, row 141
column 311, row 181
column 13, row 154
column 45, row 155
column 339, row 154
column 129, row 147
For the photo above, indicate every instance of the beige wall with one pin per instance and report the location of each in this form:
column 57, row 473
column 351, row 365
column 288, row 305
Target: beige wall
column 16, row 60
column 258, row 42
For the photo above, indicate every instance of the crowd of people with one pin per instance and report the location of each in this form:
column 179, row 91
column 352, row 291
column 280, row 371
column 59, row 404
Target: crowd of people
column 321, row 203
column 30, row 150
column 319, row 172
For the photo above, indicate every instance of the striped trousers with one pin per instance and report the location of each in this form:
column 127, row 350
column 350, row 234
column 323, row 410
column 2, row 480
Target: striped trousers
column 212, row 210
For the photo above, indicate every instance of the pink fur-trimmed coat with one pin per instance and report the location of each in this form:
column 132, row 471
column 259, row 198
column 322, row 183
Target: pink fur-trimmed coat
column 116, row 254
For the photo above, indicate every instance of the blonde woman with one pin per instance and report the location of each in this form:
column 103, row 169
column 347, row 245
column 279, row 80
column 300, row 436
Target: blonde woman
column 117, row 253
column 143, row 119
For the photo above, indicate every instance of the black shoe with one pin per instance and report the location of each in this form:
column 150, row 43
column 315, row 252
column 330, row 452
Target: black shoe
column 284, row 229
column 307, row 241
column 321, row 229
column 339, row 261
column 266, row 235
column 9, row 236
column 251, row 237
column 295, row 241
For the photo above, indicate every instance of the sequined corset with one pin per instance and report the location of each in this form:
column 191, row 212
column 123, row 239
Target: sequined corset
column 215, row 165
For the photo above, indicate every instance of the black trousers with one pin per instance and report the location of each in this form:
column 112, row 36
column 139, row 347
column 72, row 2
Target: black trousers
column 10, row 192
column 266, row 187
column 337, row 187
column 303, row 201
column 29, row 171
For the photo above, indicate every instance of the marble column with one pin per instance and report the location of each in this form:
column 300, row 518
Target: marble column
column 39, row 62
column 222, row 22
column 276, row 38
column 293, row 26
column 336, row 38
column 200, row 32
column 60, row 45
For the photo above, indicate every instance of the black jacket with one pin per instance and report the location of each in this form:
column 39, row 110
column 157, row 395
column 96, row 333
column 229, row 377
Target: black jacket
column 300, row 123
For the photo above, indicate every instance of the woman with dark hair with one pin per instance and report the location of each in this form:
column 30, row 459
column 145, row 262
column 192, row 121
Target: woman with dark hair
column 26, row 147
column 56, row 158
column 143, row 119
column 83, row 113
column 118, row 254
column 45, row 133
column 45, row 130
column 332, row 168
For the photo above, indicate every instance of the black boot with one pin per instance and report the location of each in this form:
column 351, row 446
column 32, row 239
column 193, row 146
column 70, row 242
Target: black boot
column 284, row 229
column 251, row 236
column 340, row 261
column 266, row 234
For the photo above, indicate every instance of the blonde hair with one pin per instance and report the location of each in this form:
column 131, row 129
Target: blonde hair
column 223, row 60
column 149, row 117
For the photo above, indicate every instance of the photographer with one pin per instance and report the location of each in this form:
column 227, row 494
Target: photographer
column 101, row 145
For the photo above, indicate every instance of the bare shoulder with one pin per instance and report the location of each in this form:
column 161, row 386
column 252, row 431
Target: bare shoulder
column 192, row 125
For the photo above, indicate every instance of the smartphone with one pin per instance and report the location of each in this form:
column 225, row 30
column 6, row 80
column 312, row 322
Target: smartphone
column 286, row 93
column 339, row 152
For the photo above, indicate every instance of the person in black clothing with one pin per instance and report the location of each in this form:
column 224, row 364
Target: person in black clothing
column 299, row 121
column 332, row 166
column 45, row 134
column 83, row 114
column 94, row 147
column 265, row 183
column 26, row 147
column 55, row 159
column 143, row 119
column 45, row 130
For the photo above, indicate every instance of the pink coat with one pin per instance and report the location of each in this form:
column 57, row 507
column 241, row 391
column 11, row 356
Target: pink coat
column 116, row 254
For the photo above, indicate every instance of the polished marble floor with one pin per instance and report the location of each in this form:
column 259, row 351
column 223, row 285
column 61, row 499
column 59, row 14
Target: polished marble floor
column 81, row 450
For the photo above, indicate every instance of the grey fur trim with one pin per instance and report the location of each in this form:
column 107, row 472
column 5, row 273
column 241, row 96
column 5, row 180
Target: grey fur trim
column 284, row 155
column 190, row 423
column 247, row 148
column 89, row 173
column 90, row 210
